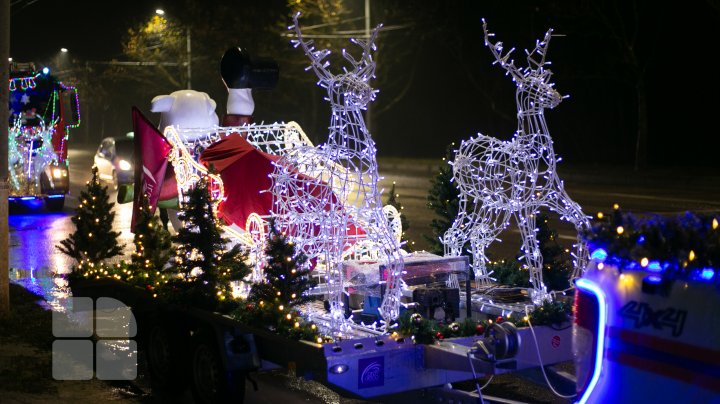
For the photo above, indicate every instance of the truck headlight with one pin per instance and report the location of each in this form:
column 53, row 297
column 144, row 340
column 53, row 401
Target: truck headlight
column 125, row 165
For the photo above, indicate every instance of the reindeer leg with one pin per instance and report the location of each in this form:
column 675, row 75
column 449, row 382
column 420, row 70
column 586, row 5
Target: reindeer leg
column 571, row 212
column 458, row 234
column 487, row 227
column 531, row 249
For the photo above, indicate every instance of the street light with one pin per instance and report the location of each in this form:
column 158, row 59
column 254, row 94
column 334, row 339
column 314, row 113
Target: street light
column 161, row 12
column 63, row 50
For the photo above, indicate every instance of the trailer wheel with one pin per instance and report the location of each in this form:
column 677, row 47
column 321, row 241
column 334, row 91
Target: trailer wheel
column 55, row 204
column 211, row 383
column 165, row 360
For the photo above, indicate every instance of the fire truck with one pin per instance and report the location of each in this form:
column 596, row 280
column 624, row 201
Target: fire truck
column 43, row 111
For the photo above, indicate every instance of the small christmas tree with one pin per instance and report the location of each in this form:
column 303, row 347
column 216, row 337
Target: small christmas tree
column 93, row 240
column 443, row 200
column 272, row 305
column 286, row 274
column 393, row 201
column 202, row 269
column 153, row 243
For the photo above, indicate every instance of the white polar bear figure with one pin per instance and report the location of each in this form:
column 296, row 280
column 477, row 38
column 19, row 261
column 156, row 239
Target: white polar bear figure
column 186, row 109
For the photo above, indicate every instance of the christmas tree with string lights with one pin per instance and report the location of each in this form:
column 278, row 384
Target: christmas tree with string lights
column 272, row 304
column 93, row 241
column 202, row 269
column 153, row 245
column 443, row 199
column 288, row 278
column 394, row 202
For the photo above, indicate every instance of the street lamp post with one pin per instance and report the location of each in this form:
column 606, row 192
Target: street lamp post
column 188, row 50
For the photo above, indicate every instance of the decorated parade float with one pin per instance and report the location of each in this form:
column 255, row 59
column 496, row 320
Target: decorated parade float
column 286, row 255
column 43, row 111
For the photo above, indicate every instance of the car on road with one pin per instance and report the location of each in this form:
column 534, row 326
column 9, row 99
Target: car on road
column 114, row 160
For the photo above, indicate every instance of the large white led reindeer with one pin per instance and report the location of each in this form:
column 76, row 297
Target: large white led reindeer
column 328, row 213
column 503, row 179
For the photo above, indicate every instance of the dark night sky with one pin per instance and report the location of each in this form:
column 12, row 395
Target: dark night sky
column 593, row 126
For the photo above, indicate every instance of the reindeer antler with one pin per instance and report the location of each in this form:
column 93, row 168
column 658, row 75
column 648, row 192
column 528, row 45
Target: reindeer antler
column 365, row 68
column 496, row 50
column 540, row 49
column 317, row 57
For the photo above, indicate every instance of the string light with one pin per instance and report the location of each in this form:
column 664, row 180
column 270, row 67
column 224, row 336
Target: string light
column 498, row 179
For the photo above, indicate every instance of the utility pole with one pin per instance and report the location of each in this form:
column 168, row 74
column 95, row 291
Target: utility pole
column 4, row 191
column 368, row 110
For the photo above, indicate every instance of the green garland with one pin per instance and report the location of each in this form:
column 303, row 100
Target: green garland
column 682, row 243
column 424, row 331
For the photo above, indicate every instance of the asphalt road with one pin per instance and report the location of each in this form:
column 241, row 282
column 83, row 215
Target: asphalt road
column 34, row 234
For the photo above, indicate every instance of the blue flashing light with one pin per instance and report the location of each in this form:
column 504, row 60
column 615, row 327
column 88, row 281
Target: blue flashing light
column 653, row 279
column 27, row 198
column 590, row 286
column 46, row 70
column 55, row 196
column 654, row 266
column 641, row 239
column 707, row 274
column 599, row 255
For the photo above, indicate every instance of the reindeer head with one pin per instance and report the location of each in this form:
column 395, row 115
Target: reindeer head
column 349, row 90
column 534, row 89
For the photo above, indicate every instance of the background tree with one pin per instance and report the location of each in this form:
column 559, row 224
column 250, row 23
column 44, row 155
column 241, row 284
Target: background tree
column 153, row 243
column 93, row 239
column 443, row 199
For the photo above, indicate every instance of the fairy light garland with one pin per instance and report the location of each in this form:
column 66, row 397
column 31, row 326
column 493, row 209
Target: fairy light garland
column 683, row 246
column 514, row 179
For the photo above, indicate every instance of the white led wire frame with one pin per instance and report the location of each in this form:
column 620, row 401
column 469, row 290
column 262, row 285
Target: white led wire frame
column 499, row 180
column 28, row 159
column 276, row 139
column 309, row 207
column 187, row 145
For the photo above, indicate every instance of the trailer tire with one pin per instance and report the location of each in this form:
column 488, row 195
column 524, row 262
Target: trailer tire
column 166, row 361
column 211, row 383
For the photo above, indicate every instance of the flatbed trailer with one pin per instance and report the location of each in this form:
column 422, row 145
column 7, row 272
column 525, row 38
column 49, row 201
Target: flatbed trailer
column 213, row 353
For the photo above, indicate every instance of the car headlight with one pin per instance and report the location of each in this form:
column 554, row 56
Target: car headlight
column 58, row 173
column 125, row 165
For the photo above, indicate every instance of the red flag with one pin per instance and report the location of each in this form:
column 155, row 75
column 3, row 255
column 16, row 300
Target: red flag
column 151, row 151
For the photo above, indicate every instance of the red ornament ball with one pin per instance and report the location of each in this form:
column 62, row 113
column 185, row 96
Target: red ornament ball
column 439, row 335
column 479, row 329
column 499, row 319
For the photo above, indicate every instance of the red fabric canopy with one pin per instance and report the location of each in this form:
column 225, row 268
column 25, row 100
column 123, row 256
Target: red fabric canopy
column 245, row 172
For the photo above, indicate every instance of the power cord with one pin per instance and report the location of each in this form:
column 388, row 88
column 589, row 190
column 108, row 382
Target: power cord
column 475, row 378
column 542, row 367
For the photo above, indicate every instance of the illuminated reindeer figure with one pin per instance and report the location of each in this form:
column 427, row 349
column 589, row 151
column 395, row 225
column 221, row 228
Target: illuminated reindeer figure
column 323, row 196
column 499, row 179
